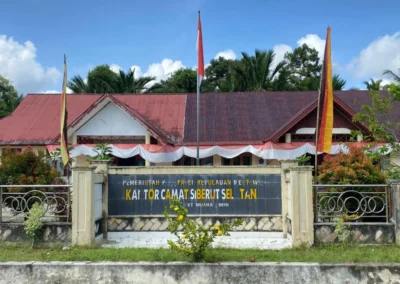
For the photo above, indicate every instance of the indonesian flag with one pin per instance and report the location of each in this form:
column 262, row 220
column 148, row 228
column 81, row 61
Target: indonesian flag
column 326, row 100
column 63, row 120
column 200, row 57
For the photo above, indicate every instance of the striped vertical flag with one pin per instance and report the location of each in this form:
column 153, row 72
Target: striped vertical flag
column 325, row 100
column 63, row 119
column 200, row 57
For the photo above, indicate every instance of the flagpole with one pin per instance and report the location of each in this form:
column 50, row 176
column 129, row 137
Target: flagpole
column 200, row 72
column 198, row 121
column 317, row 128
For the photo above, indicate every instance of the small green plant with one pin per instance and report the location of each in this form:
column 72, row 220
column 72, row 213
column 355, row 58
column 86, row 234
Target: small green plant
column 103, row 152
column 56, row 155
column 34, row 224
column 195, row 238
column 393, row 172
column 343, row 230
column 303, row 160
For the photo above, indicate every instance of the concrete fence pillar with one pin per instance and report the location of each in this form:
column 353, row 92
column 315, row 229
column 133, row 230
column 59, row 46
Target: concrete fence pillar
column 83, row 206
column 285, row 165
column 101, row 167
column 395, row 184
column 301, row 206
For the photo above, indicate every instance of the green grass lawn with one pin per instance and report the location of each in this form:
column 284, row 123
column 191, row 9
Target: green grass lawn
column 327, row 254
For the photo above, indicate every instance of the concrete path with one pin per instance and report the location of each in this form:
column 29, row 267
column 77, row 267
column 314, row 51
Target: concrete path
column 256, row 240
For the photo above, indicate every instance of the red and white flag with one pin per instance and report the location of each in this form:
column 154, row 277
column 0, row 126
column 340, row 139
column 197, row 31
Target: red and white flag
column 200, row 57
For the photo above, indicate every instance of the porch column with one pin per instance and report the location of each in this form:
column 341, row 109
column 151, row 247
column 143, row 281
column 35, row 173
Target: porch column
column 147, row 142
column 74, row 142
column 217, row 160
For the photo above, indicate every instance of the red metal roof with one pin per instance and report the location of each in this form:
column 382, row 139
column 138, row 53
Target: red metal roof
column 226, row 118
column 167, row 112
column 36, row 120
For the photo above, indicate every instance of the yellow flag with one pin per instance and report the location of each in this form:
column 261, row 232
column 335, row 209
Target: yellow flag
column 326, row 101
column 63, row 119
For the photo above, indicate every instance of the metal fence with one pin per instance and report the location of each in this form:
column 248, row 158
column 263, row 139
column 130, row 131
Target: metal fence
column 360, row 203
column 16, row 203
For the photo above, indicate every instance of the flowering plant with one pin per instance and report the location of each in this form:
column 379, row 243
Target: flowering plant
column 193, row 239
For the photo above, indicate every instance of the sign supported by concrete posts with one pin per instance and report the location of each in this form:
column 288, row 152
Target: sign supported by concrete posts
column 207, row 194
column 205, row 191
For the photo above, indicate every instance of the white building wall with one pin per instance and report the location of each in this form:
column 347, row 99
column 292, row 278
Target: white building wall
column 112, row 121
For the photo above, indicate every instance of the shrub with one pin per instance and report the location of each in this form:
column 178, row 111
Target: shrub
column 30, row 168
column 34, row 224
column 195, row 239
column 27, row 168
column 352, row 168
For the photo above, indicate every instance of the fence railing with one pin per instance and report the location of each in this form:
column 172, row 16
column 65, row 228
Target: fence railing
column 15, row 205
column 361, row 203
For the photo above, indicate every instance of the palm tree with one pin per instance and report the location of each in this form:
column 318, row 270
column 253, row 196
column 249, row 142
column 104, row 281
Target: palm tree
column 373, row 85
column 78, row 85
column 338, row 83
column 100, row 80
column 257, row 71
column 393, row 75
column 127, row 83
column 103, row 80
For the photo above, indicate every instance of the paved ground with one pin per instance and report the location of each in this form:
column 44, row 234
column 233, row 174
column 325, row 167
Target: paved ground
column 257, row 240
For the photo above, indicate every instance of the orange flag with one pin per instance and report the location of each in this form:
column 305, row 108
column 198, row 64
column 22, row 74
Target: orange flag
column 63, row 119
column 325, row 106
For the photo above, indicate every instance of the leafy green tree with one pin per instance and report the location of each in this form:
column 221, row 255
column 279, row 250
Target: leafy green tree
column 182, row 81
column 338, row 83
column 220, row 75
column 100, row 80
column 373, row 85
column 283, row 82
column 9, row 97
column 304, row 65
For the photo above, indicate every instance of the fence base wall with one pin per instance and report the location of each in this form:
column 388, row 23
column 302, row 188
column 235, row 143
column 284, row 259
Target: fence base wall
column 52, row 233
column 361, row 233
column 183, row 273
column 260, row 223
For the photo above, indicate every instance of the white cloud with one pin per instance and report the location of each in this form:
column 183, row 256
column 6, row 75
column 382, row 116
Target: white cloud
column 164, row 70
column 227, row 54
column 138, row 71
column 69, row 91
column 379, row 55
column 280, row 51
column 51, row 92
column 115, row 68
column 313, row 41
column 18, row 63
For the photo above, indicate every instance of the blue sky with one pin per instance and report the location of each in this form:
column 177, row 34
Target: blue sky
column 159, row 36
